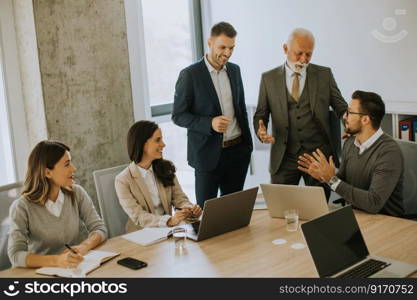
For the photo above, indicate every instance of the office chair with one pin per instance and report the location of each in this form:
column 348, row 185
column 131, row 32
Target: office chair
column 8, row 194
column 112, row 213
column 409, row 150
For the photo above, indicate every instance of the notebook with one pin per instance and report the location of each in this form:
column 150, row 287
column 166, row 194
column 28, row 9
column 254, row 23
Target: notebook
column 92, row 260
column 148, row 236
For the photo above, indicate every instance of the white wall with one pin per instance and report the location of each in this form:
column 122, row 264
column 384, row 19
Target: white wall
column 344, row 41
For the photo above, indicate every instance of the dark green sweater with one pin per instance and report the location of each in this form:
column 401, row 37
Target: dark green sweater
column 373, row 180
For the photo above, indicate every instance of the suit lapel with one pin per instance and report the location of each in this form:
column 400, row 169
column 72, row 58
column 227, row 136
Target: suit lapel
column 312, row 87
column 142, row 185
column 208, row 83
column 279, row 86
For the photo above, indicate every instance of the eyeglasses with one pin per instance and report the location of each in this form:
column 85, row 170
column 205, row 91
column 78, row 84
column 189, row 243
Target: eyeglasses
column 355, row 113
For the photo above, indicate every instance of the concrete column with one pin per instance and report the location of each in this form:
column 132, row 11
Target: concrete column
column 85, row 77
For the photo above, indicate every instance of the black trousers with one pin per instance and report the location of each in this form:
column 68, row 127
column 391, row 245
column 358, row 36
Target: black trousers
column 288, row 173
column 228, row 176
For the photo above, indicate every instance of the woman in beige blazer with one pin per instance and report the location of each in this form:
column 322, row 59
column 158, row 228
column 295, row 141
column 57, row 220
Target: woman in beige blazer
column 148, row 188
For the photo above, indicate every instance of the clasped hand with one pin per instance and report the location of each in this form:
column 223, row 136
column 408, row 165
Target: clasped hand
column 220, row 123
column 185, row 212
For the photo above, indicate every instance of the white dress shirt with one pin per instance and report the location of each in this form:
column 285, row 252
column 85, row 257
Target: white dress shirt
column 55, row 207
column 289, row 78
column 221, row 83
column 362, row 147
column 149, row 178
column 369, row 142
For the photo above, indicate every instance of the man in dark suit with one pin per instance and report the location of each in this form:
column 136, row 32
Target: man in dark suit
column 210, row 103
column 297, row 95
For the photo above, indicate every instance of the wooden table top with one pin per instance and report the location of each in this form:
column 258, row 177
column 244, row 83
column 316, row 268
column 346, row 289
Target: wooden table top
column 249, row 251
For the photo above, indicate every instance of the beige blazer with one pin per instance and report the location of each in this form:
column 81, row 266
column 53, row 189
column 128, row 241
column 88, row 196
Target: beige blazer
column 135, row 198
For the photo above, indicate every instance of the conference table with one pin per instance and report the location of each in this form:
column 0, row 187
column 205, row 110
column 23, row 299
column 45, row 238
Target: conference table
column 248, row 251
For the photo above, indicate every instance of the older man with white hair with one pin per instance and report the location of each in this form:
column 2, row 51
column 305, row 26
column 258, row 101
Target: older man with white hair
column 297, row 95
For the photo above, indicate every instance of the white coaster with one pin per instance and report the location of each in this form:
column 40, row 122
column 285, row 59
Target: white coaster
column 279, row 241
column 298, row 246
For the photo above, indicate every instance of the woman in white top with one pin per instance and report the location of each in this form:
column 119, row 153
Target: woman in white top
column 148, row 189
column 51, row 212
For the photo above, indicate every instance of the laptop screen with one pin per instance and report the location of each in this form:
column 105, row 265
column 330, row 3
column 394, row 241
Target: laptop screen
column 335, row 241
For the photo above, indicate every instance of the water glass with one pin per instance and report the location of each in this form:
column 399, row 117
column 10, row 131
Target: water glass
column 291, row 218
column 180, row 235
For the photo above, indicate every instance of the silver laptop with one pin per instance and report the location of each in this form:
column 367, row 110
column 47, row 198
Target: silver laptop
column 310, row 201
column 224, row 214
column 338, row 249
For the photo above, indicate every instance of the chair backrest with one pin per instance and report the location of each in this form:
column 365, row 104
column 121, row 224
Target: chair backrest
column 8, row 194
column 112, row 213
column 409, row 150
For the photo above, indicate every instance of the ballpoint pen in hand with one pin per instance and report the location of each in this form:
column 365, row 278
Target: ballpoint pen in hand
column 70, row 249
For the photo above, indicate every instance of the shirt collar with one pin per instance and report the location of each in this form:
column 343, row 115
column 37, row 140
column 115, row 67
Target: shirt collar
column 370, row 141
column 145, row 172
column 210, row 67
column 59, row 199
column 290, row 71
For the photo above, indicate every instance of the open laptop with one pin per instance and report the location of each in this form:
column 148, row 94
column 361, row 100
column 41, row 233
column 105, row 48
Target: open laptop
column 338, row 249
column 224, row 214
column 310, row 201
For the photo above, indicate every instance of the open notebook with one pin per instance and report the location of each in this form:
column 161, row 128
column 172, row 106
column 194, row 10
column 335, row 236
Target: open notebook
column 148, row 236
column 92, row 260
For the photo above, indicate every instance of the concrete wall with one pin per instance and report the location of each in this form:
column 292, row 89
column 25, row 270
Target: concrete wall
column 85, row 77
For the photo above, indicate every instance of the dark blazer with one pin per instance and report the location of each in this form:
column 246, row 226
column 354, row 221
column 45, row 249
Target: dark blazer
column 196, row 104
column 322, row 92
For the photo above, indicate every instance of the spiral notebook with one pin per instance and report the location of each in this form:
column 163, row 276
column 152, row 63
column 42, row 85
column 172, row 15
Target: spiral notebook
column 92, row 260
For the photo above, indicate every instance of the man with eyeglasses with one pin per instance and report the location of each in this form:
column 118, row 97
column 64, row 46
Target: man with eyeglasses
column 297, row 95
column 371, row 172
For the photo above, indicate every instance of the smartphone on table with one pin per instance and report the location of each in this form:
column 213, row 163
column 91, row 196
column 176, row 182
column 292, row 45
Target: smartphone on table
column 132, row 263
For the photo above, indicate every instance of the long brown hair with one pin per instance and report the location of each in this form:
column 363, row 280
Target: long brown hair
column 137, row 136
column 37, row 186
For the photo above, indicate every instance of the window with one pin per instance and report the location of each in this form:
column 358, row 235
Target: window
column 168, row 45
column 163, row 38
column 14, row 147
column 7, row 173
column 175, row 139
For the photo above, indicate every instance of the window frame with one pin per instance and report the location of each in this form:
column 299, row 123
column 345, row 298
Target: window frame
column 13, row 90
column 137, row 57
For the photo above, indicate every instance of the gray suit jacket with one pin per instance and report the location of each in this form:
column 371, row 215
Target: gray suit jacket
column 322, row 91
column 135, row 199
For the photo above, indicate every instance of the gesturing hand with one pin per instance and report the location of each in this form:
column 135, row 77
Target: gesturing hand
column 265, row 138
column 220, row 123
column 317, row 165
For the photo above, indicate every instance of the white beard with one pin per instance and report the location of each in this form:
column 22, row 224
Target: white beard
column 297, row 66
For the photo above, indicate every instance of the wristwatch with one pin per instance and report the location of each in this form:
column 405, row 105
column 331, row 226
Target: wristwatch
column 333, row 180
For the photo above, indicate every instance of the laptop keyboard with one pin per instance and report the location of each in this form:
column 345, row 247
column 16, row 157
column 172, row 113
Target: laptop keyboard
column 365, row 269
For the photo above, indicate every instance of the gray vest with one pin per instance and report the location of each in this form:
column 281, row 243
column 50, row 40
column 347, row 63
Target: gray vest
column 304, row 133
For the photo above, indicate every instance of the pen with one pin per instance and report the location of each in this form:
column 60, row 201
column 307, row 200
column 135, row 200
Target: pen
column 70, row 249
